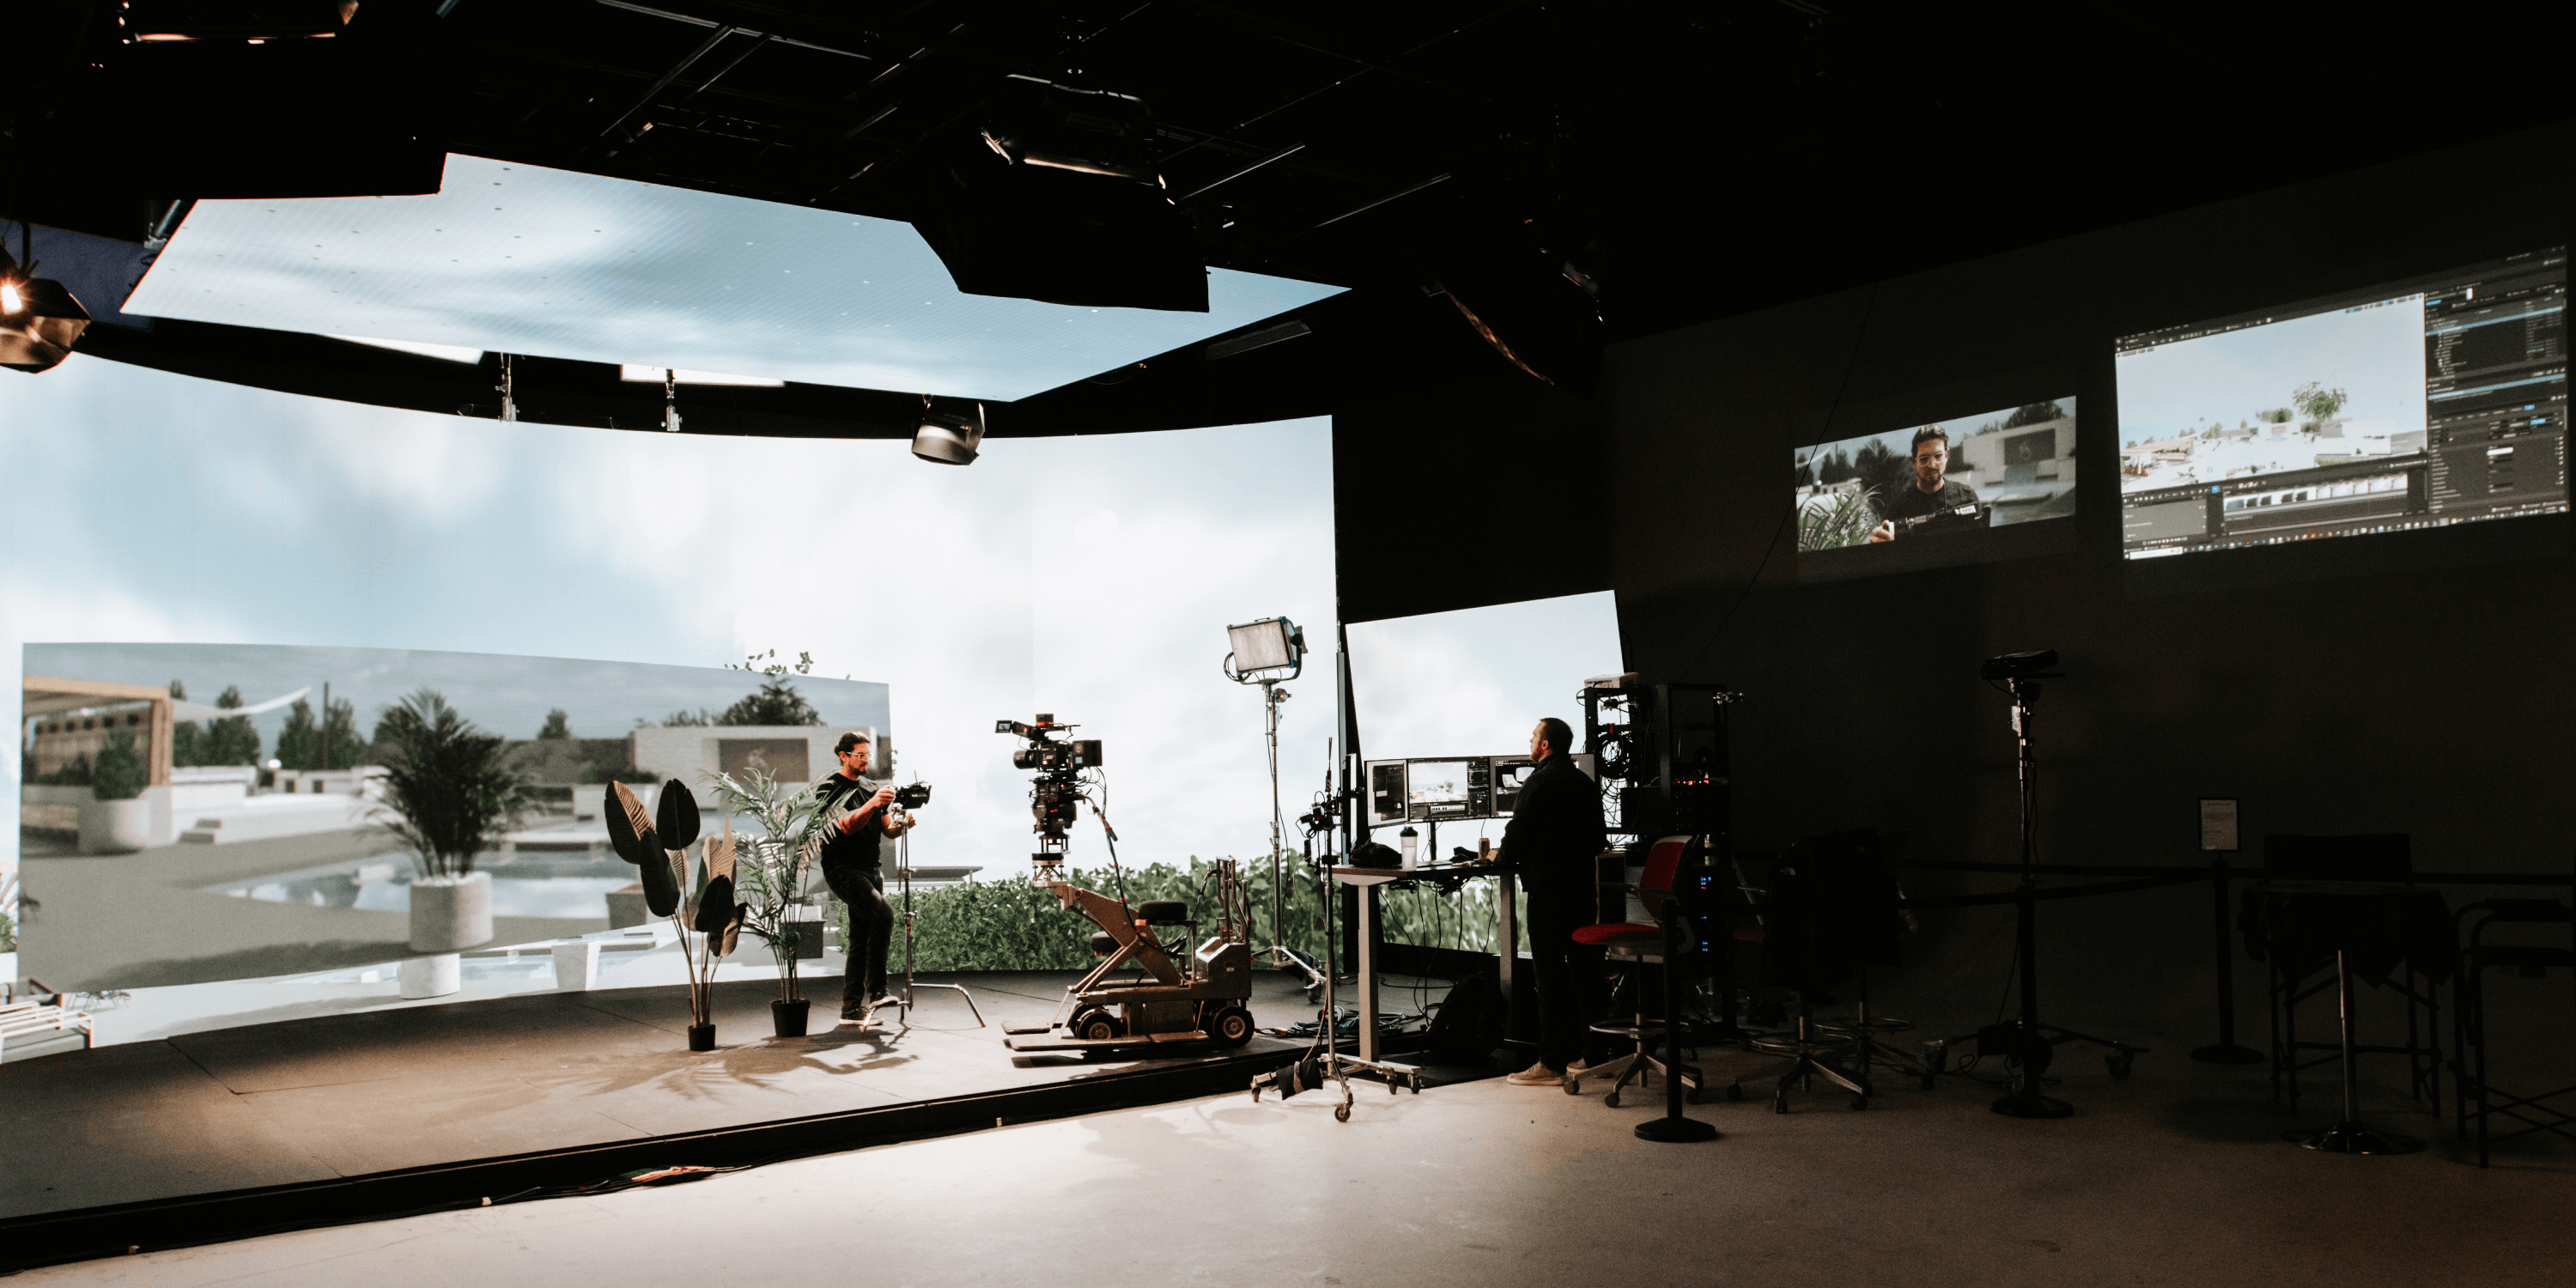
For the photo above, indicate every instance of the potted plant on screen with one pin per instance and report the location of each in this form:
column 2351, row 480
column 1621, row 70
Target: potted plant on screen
column 447, row 795
column 770, row 870
column 118, row 821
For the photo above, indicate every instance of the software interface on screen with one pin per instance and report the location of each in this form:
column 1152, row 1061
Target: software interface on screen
column 2415, row 404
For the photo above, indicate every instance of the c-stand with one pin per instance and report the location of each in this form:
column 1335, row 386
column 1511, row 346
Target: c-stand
column 2033, row 1041
column 903, row 875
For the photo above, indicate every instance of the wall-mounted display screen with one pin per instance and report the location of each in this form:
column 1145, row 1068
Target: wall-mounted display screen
column 2415, row 404
column 1934, row 493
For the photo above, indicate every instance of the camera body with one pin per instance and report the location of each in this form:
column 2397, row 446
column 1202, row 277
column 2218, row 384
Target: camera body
column 912, row 795
column 1058, row 760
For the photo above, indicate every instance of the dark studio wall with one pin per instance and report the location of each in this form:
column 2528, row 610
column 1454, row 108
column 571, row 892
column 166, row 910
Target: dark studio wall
column 2406, row 682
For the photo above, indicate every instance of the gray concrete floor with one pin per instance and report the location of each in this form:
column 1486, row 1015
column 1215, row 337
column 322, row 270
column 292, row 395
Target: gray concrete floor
column 2176, row 1176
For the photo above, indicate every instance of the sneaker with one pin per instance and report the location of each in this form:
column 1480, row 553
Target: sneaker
column 1537, row 1075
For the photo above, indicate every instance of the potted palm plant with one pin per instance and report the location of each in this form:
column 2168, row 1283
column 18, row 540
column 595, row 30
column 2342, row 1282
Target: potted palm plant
column 447, row 794
column 769, row 873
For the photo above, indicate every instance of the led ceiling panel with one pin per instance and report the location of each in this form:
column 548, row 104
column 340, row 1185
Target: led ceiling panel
column 521, row 259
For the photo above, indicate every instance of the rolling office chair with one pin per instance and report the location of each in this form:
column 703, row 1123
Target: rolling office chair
column 1829, row 910
column 1654, row 888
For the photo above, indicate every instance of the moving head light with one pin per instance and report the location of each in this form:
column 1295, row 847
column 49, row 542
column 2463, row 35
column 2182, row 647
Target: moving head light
column 2033, row 665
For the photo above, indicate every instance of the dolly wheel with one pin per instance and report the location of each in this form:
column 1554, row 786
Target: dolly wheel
column 1610, row 1101
column 1233, row 1026
column 1860, row 1102
column 1097, row 1025
column 1735, row 1091
column 2118, row 1065
column 1341, row 1113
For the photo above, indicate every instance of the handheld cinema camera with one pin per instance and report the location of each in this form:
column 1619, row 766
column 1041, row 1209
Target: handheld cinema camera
column 1059, row 760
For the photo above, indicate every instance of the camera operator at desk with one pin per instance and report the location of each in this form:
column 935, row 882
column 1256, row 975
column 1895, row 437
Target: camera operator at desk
column 851, row 869
column 1930, row 493
column 1555, row 834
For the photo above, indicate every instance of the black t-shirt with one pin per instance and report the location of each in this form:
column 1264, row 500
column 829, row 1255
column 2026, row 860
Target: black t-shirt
column 1911, row 502
column 858, row 846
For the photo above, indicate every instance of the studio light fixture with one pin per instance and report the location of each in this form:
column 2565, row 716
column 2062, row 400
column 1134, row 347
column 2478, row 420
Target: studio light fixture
column 1060, row 198
column 948, row 436
column 39, row 320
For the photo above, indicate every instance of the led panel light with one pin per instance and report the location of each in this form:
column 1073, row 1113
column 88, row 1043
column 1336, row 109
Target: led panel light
column 512, row 258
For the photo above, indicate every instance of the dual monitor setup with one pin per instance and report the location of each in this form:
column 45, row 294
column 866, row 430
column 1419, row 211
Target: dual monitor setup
column 2421, row 403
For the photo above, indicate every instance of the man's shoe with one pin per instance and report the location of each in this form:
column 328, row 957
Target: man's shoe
column 1537, row 1075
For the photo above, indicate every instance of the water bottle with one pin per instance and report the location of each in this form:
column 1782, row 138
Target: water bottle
column 1410, row 842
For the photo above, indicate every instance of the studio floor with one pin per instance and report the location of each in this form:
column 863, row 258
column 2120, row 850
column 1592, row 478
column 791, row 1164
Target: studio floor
column 314, row 1101
column 2176, row 1176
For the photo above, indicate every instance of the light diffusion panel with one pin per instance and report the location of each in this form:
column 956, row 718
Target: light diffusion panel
column 2408, row 405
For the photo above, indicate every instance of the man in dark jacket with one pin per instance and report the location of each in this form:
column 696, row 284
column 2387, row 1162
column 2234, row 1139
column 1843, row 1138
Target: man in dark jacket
column 1555, row 834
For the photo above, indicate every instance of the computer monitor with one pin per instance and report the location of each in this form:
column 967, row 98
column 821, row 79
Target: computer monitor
column 1935, row 493
column 2415, row 404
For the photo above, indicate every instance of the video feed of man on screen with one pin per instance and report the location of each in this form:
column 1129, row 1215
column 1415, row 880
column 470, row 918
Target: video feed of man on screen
column 1934, row 502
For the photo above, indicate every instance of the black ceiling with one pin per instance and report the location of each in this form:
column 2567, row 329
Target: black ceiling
column 1710, row 158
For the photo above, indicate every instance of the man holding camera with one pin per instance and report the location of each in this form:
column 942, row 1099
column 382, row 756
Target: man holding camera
column 851, row 868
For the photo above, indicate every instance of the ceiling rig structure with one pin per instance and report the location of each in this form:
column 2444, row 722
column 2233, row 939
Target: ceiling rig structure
column 1687, row 162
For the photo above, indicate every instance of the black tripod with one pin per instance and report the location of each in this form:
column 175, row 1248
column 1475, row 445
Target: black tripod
column 2034, row 1042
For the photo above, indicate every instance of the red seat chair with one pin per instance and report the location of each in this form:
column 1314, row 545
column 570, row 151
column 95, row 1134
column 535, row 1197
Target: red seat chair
column 1654, row 888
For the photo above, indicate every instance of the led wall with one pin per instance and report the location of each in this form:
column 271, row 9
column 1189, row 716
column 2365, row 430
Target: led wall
column 1091, row 578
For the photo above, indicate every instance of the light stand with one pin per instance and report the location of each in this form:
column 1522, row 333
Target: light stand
column 2021, row 673
column 1268, row 648
column 903, row 875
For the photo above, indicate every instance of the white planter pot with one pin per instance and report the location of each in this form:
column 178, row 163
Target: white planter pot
column 449, row 913
column 9, row 971
column 115, row 827
column 431, row 976
column 576, row 965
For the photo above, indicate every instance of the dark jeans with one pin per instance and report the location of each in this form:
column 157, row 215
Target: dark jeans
column 1569, row 979
column 871, row 931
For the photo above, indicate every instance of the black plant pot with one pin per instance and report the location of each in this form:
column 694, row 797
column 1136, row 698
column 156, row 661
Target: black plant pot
column 789, row 1017
column 702, row 1037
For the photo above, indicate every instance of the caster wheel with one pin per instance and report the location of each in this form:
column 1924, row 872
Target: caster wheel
column 1779, row 1106
column 1695, row 1096
column 2118, row 1065
column 1860, row 1102
column 1572, row 1088
column 1341, row 1113
column 1735, row 1091
column 1611, row 1100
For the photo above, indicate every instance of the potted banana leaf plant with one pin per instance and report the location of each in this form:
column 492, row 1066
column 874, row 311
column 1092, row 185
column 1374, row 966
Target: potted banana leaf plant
column 770, row 872
column 697, row 897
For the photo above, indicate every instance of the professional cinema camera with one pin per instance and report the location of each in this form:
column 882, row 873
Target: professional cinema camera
column 911, row 795
column 1059, row 760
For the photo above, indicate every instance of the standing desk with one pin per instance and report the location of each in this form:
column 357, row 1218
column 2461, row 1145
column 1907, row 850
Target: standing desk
column 1364, row 971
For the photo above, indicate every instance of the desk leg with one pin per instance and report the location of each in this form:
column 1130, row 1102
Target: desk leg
column 1367, row 982
column 1506, row 932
